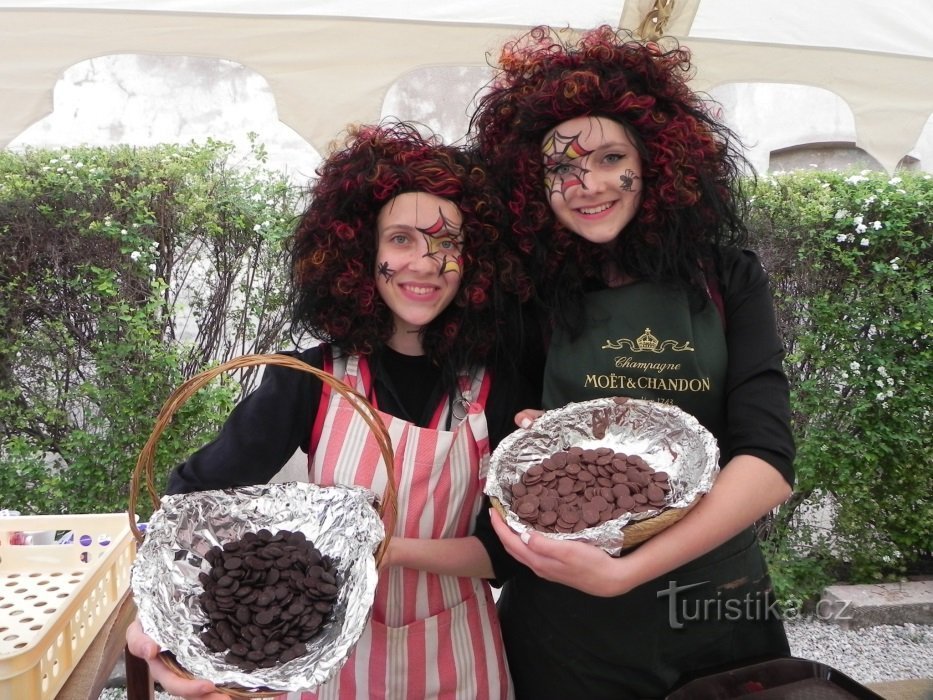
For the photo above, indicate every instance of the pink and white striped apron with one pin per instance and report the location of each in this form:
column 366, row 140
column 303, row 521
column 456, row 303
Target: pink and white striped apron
column 429, row 636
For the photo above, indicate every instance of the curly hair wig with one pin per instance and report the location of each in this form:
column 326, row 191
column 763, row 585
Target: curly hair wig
column 690, row 160
column 333, row 249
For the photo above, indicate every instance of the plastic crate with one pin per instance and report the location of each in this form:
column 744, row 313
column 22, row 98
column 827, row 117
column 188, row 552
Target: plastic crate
column 55, row 598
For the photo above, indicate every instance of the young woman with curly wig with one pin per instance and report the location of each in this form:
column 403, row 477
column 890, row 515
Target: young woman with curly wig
column 397, row 268
column 623, row 188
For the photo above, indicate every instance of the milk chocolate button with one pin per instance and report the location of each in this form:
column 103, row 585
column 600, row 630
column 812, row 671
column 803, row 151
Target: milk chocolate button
column 586, row 487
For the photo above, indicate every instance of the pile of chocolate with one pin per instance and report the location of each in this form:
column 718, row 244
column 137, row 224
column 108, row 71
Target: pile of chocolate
column 578, row 488
column 266, row 595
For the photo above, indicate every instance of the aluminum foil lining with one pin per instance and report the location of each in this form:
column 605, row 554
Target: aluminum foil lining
column 341, row 521
column 668, row 438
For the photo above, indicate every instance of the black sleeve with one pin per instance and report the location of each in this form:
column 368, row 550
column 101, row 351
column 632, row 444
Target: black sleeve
column 757, row 390
column 260, row 435
column 506, row 398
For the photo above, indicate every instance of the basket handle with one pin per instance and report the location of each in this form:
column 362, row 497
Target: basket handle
column 143, row 472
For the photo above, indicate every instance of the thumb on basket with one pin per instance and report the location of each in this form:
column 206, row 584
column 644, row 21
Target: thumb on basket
column 141, row 645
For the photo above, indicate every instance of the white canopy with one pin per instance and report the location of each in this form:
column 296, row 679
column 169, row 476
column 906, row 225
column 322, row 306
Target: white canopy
column 330, row 62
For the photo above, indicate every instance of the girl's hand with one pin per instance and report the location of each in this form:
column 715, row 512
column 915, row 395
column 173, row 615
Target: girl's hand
column 144, row 647
column 576, row 564
column 524, row 419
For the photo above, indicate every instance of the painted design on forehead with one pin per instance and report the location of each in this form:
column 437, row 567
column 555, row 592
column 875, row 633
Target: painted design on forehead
column 562, row 172
column 444, row 238
column 627, row 181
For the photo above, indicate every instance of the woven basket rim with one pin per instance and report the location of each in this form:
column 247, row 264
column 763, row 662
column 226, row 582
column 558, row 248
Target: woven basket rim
column 143, row 472
column 635, row 532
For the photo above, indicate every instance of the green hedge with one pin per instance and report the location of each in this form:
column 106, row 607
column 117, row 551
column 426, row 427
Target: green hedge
column 851, row 259
column 108, row 251
column 126, row 271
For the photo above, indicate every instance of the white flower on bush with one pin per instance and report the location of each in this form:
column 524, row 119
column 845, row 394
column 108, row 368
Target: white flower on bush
column 870, row 200
column 855, row 367
column 122, row 231
column 257, row 228
column 895, row 181
column 882, row 371
column 894, row 263
column 855, row 179
column 152, row 267
column 841, row 238
column 135, row 255
column 877, row 225
column 864, row 242
column 883, row 396
column 841, row 214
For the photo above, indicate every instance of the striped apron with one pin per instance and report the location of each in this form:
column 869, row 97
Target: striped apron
column 429, row 636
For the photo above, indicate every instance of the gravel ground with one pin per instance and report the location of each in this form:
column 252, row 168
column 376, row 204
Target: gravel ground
column 869, row 655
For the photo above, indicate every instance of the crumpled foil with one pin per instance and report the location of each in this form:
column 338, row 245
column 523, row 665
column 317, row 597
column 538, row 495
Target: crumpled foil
column 341, row 521
column 668, row 438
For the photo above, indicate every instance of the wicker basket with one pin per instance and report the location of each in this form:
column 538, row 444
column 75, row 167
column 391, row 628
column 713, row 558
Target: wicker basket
column 671, row 440
column 143, row 472
column 637, row 532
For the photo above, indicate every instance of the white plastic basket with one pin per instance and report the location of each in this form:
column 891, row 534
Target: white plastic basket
column 55, row 598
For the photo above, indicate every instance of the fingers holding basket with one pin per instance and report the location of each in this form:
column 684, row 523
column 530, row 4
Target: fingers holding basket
column 576, row 564
column 145, row 647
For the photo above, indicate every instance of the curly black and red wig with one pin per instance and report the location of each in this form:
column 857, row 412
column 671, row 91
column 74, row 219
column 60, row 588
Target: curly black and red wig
column 691, row 161
column 333, row 249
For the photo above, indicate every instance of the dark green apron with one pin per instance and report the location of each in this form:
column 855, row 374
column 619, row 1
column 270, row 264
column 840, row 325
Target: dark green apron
column 642, row 341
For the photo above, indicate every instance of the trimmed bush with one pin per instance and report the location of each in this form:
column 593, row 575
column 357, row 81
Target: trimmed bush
column 126, row 271
column 851, row 260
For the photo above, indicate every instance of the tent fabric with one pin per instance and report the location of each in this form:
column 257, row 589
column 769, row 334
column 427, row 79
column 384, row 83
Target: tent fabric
column 328, row 69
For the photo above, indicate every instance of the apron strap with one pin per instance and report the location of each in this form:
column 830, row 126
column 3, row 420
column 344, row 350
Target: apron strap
column 466, row 399
column 327, row 364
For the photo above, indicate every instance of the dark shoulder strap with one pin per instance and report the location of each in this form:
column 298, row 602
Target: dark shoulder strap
column 715, row 294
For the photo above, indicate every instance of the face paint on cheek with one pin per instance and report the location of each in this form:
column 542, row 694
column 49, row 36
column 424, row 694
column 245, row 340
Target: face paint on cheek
column 565, row 161
column 452, row 264
column 627, row 181
column 385, row 271
column 436, row 236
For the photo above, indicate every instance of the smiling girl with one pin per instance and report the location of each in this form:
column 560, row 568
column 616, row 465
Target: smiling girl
column 397, row 268
column 624, row 186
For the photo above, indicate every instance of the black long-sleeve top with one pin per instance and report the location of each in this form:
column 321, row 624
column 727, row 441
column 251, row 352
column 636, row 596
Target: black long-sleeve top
column 757, row 397
column 266, row 428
